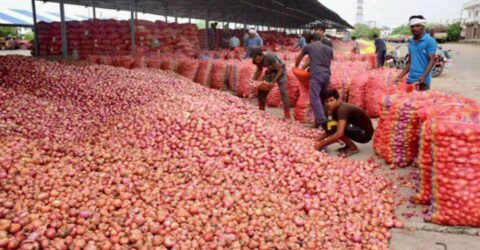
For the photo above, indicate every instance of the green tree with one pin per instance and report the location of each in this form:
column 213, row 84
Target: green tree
column 454, row 32
column 363, row 31
column 4, row 31
column 401, row 30
column 29, row 36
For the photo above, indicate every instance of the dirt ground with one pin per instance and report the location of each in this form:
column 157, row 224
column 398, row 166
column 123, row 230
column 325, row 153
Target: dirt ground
column 464, row 78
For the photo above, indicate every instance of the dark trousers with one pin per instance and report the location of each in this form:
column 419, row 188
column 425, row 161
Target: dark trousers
column 317, row 86
column 381, row 58
column 262, row 97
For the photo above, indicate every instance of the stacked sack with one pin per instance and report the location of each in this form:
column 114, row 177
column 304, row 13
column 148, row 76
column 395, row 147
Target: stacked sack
column 456, row 169
column 380, row 83
column 204, row 73
column 274, row 98
column 112, row 37
column 220, row 72
column 398, row 133
column 425, row 157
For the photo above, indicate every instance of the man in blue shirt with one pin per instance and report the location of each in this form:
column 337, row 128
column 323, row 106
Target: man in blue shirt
column 253, row 40
column 301, row 42
column 422, row 48
column 381, row 50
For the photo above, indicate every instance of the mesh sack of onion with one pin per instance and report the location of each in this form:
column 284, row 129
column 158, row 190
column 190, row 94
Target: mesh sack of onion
column 424, row 160
column 220, row 71
column 204, row 73
column 188, row 67
column 456, row 170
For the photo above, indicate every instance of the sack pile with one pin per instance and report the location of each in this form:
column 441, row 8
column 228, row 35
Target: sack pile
column 440, row 133
column 112, row 37
column 398, row 133
column 380, row 83
column 274, row 98
column 425, row 157
column 456, row 169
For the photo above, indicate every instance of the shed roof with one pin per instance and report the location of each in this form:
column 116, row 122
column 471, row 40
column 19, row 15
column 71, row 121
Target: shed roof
column 277, row 13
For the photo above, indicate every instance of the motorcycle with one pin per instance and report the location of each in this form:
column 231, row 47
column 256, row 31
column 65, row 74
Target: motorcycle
column 442, row 60
column 394, row 60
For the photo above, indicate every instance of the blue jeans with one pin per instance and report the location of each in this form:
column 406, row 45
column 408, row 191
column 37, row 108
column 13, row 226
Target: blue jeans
column 317, row 86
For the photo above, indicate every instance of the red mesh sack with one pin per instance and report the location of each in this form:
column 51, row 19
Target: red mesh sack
column 154, row 62
column 380, row 84
column 169, row 64
column 245, row 87
column 219, row 75
column 188, row 68
column 126, row 62
column 456, row 171
column 358, row 88
column 293, row 88
column 425, row 155
column 139, row 62
column 204, row 73
column 233, row 77
column 274, row 98
column 383, row 132
column 303, row 111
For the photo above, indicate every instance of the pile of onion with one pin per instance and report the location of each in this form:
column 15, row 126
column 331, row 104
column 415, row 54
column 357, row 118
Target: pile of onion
column 97, row 157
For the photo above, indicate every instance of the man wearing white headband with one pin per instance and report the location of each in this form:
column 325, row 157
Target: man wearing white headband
column 422, row 48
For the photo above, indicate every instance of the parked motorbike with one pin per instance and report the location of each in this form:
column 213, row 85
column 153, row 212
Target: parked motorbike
column 394, row 60
column 442, row 60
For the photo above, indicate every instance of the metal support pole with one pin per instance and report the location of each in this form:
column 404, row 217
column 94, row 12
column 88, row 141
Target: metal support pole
column 136, row 9
column 132, row 27
column 94, row 9
column 207, row 20
column 35, row 31
column 63, row 28
column 166, row 13
column 175, row 15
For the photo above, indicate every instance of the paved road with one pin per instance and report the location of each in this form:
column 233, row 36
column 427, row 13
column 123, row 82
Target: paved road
column 464, row 75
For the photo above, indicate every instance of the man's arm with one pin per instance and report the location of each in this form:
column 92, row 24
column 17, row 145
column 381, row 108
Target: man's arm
column 299, row 58
column 279, row 68
column 335, row 137
column 306, row 64
column 404, row 71
column 258, row 73
column 429, row 68
column 260, row 42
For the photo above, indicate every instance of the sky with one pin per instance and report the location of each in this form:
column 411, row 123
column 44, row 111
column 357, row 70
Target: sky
column 393, row 13
column 390, row 13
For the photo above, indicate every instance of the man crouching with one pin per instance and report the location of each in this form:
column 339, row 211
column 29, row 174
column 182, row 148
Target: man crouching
column 349, row 123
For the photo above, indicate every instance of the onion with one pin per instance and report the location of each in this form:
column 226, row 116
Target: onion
column 111, row 158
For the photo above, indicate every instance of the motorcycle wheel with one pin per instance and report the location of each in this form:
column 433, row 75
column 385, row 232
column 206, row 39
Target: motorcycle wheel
column 437, row 70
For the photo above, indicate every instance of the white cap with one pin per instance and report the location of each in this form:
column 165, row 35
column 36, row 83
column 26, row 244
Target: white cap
column 252, row 31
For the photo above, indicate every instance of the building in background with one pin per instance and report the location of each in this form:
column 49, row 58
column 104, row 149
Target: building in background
column 472, row 19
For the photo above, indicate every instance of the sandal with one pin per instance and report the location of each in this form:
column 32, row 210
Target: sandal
column 348, row 153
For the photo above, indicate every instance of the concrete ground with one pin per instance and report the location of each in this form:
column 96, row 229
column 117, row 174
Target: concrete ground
column 464, row 78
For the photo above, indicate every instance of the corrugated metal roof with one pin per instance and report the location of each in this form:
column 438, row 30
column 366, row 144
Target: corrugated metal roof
column 276, row 13
column 23, row 17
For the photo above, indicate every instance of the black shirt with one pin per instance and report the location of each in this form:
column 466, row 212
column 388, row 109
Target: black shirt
column 355, row 116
